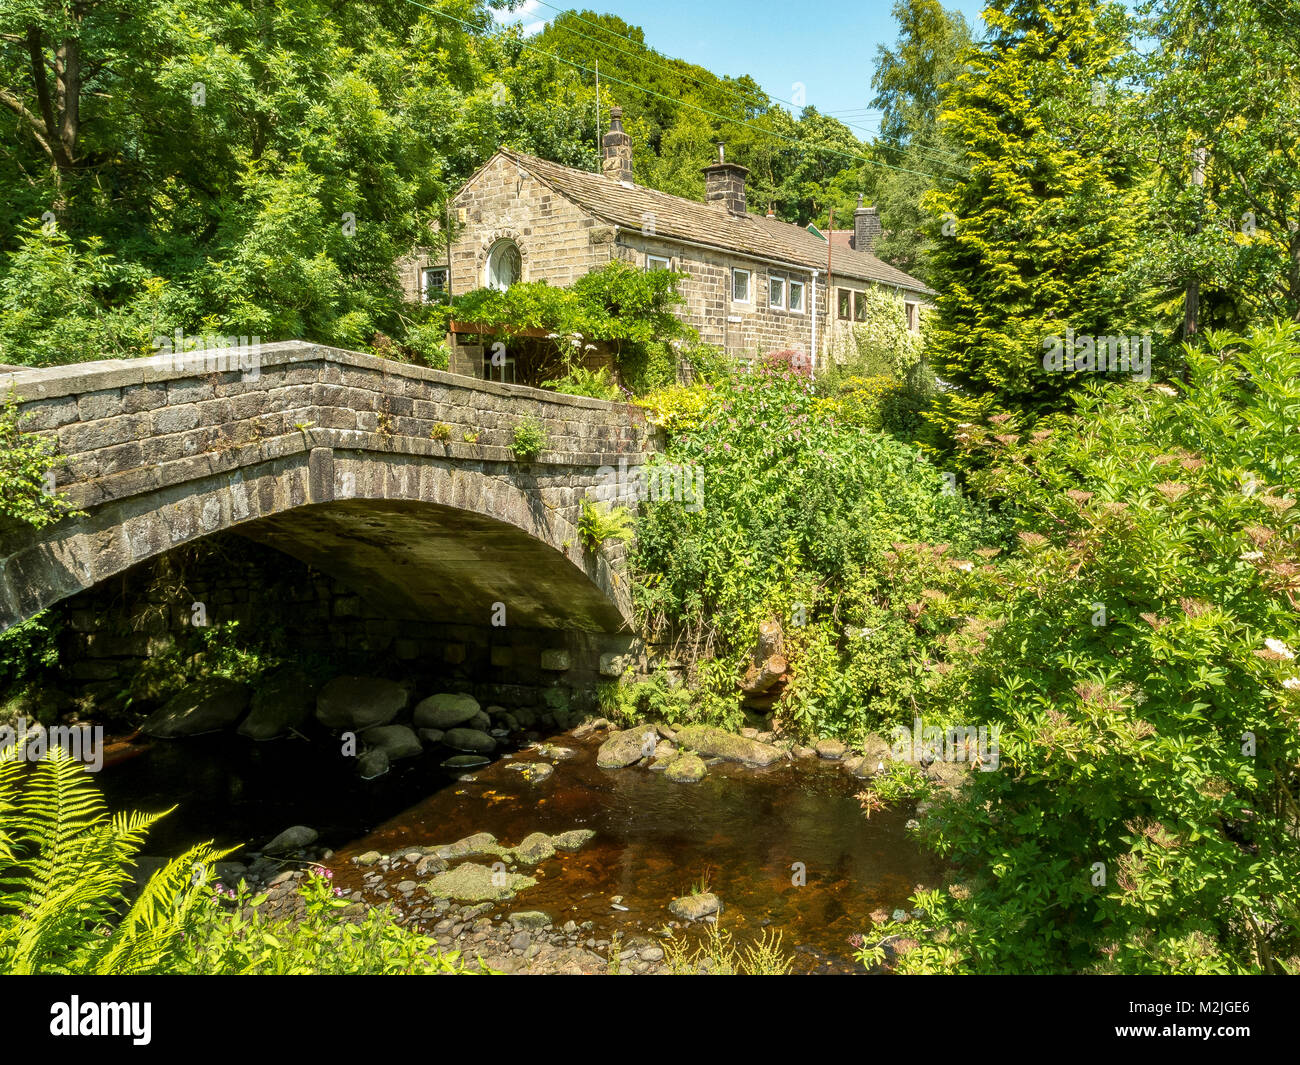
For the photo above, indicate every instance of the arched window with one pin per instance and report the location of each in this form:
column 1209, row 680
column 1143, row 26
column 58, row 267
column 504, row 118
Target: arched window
column 503, row 265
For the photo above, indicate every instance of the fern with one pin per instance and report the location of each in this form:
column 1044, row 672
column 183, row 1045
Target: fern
column 595, row 526
column 64, row 868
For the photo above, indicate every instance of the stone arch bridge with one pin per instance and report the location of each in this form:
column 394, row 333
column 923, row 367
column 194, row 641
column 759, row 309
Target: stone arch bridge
column 396, row 480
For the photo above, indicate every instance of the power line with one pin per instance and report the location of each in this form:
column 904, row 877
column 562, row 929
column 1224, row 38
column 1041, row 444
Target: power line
column 682, row 103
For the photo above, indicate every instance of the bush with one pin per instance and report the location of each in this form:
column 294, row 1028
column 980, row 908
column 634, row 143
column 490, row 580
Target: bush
column 1141, row 664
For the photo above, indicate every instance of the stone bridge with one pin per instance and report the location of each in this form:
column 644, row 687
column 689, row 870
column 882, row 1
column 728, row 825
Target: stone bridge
column 397, row 480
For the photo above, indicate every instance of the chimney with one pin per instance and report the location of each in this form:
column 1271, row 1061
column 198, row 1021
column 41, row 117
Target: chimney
column 866, row 227
column 617, row 149
column 724, row 183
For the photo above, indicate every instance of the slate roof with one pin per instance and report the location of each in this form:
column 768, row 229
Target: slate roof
column 676, row 216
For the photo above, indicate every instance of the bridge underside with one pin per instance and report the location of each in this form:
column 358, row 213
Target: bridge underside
column 425, row 561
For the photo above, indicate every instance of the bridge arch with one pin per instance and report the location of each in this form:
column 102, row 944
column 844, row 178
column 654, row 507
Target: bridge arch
column 398, row 480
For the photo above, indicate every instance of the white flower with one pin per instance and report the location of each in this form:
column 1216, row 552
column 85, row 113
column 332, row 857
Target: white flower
column 1291, row 684
column 1165, row 390
column 1278, row 648
column 965, row 567
column 1251, row 556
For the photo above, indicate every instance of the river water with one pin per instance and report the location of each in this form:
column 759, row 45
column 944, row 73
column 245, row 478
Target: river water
column 786, row 847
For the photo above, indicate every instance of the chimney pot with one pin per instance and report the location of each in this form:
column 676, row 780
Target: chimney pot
column 724, row 183
column 866, row 227
column 616, row 150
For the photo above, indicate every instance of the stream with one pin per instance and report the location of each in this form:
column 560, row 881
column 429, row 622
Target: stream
column 747, row 832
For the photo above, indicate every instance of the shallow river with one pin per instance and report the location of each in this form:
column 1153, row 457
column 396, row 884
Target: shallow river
column 744, row 830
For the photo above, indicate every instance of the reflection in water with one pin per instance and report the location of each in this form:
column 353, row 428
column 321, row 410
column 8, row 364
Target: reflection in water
column 743, row 829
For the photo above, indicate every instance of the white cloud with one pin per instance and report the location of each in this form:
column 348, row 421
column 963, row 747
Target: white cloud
column 528, row 16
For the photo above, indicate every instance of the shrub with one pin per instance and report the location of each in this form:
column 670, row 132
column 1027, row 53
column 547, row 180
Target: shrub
column 529, row 439
column 596, row 525
column 1141, row 665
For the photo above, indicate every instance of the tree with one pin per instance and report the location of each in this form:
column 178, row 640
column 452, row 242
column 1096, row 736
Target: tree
column 911, row 83
column 1040, row 236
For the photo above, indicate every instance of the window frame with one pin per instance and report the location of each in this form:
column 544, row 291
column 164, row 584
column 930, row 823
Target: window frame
column 790, row 287
column 859, row 306
column 777, row 282
column 844, row 304
column 490, row 281
column 912, row 313
column 651, row 259
column 425, row 271
column 736, row 271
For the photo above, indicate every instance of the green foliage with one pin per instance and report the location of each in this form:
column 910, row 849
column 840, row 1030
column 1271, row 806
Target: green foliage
column 1042, row 232
column 802, row 518
column 528, row 439
column 234, row 936
column 597, row 524
column 717, row 955
column 25, row 462
column 65, row 865
column 1139, row 658
column 440, row 431
column 580, row 381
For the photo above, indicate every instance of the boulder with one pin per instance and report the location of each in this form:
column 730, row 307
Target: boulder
column 431, row 735
column 470, row 882
column 207, row 705
column 573, row 839
column 360, row 702
column 624, row 748
column 471, row 846
column 695, row 907
column 719, row 744
column 535, row 848
column 831, row 750
column 529, row 919
column 396, row 741
column 292, row 839
column 445, row 710
column 469, row 739
column 281, row 701
column 686, row 768
column 373, row 763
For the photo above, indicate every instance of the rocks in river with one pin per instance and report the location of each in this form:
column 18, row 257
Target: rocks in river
column 686, row 768
column 876, row 754
column 373, row 763
column 471, row 846
column 573, row 839
column 624, row 748
column 534, row 772
column 431, row 735
column 282, row 701
column 530, row 919
column 204, row 706
column 716, row 743
column 479, row 721
column 292, row 839
column 465, row 761
column 396, row 741
column 445, row 710
column 536, row 847
column 695, row 907
column 369, row 858
column 471, row 882
column 831, row 750
column 469, row 739
column 360, row 702
column 555, row 753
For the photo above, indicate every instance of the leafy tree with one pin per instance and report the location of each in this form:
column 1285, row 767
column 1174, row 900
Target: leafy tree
column 1041, row 233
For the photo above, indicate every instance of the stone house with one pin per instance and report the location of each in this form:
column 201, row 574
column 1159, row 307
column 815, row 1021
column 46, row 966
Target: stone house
column 755, row 285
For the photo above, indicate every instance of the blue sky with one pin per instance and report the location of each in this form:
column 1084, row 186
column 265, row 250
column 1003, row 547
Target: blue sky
column 829, row 47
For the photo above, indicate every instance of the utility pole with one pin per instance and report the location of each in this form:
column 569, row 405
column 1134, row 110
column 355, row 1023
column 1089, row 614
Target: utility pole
column 1192, row 301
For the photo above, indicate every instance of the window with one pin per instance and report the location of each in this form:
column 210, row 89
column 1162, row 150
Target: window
column 658, row 262
column 859, row 306
column 913, row 316
column 504, row 265
column 845, row 298
column 796, row 296
column 776, row 293
column 740, row 286
column 433, row 284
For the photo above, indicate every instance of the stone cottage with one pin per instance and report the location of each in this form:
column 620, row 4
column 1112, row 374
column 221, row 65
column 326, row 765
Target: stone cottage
column 755, row 285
